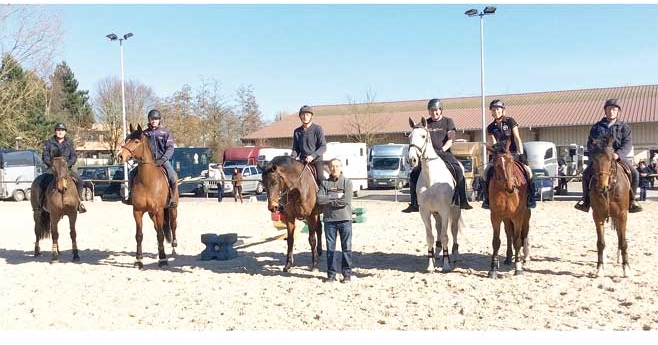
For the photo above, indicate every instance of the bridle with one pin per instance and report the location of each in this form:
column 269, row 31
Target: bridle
column 285, row 191
column 503, row 179
column 423, row 149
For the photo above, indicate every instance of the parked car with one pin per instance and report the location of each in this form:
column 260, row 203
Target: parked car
column 543, row 187
column 251, row 183
column 96, row 181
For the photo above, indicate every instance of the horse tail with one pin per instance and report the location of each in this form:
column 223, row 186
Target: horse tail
column 166, row 227
column 42, row 224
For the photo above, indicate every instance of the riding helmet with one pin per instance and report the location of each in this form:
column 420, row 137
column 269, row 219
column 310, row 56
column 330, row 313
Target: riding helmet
column 154, row 114
column 305, row 109
column 434, row 102
column 60, row 125
column 612, row 102
column 496, row 103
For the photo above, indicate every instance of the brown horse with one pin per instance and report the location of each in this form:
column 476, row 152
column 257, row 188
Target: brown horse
column 150, row 189
column 291, row 185
column 60, row 199
column 507, row 201
column 609, row 198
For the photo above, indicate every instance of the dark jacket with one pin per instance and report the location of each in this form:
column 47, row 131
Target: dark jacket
column 53, row 148
column 309, row 142
column 621, row 132
column 236, row 179
column 336, row 209
column 503, row 131
column 645, row 181
column 161, row 142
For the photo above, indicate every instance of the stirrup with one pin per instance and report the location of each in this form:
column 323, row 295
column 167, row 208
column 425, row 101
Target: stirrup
column 81, row 208
column 582, row 206
column 485, row 204
column 634, row 207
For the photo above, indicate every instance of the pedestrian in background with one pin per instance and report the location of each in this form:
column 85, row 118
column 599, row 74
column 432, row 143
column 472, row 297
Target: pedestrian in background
column 237, row 184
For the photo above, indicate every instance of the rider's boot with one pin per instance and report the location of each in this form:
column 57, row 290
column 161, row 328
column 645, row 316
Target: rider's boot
column 172, row 197
column 463, row 201
column 635, row 205
column 530, row 192
column 485, row 195
column 81, row 207
column 583, row 203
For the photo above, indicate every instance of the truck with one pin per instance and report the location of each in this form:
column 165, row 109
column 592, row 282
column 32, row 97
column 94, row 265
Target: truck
column 388, row 166
column 18, row 168
column 354, row 157
column 243, row 155
column 469, row 154
column 190, row 163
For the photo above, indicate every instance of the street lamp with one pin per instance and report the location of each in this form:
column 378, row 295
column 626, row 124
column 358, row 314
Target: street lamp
column 18, row 139
column 472, row 13
column 114, row 37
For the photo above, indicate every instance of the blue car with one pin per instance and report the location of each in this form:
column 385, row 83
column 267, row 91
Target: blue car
column 543, row 187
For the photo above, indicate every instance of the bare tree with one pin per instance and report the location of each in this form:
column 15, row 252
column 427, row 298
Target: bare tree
column 109, row 112
column 366, row 120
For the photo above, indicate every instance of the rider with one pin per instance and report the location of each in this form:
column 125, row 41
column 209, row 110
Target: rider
column 622, row 144
column 62, row 144
column 504, row 128
column 442, row 131
column 309, row 143
column 161, row 143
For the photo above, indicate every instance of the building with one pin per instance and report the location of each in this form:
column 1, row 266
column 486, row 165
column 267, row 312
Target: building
column 561, row 117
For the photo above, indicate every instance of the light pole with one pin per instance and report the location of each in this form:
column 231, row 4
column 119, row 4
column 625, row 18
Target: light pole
column 18, row 139
column 472, row 13
column 114, row 37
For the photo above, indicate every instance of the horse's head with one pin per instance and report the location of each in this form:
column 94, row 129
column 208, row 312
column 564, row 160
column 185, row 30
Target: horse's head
column 419, row 142
column 603, row 162
column 60, row 171
column 503, row 164
column 273, row 184
column 134, row 146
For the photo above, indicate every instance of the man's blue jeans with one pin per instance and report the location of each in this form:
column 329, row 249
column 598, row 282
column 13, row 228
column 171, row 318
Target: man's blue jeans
column 344, row 230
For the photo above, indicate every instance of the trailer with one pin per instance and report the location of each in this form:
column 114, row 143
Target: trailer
column 354, row 158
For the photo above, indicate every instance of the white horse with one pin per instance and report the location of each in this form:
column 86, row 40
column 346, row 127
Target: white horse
column 435, row 188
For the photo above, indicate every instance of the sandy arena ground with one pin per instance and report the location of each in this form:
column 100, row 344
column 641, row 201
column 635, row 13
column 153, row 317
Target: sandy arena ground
column 390, row 290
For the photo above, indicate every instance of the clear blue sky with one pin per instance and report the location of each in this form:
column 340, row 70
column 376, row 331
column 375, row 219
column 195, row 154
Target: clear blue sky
column 323, row 54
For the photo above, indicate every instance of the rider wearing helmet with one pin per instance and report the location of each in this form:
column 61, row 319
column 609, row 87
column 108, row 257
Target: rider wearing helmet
column 504, row 128
column 622, row 144
column 59, row 142
column 442, row 131
column 309, row 143
column 161, row 143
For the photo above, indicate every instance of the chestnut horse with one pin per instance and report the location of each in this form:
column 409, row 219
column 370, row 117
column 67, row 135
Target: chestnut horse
column 60, row 199
column 150, row 189
column 507, row 201
column 609, row 198
column 434, row 188
column 291, row 186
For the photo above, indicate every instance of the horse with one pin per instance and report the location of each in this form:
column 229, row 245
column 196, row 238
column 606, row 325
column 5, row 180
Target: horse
column 150, row 189
column 291, row 186
column 435, row 188
column 507, row 201
column 60, row 198
column 609, row 198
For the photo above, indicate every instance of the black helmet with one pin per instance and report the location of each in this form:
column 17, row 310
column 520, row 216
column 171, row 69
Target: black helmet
column 434, row 102
column 60, row 125
column 496, row 103
column 305, row 109
column 612, row 102
column 154, row 114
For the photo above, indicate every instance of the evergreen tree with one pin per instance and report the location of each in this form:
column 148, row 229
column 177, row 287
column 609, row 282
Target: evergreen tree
column 68, row 104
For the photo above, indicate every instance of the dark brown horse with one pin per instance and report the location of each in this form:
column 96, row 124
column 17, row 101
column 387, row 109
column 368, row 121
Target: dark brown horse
column 150, row 189
column 609, row 198
column 507, row 201
column 291, row 185
column 60, row 199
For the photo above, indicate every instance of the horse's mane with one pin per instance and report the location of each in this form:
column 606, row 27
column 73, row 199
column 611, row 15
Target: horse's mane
column 284, row 162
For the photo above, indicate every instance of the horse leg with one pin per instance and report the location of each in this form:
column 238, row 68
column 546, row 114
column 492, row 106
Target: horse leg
column 55, row 237
column 171, row 214
column 600, row 246
column 139, row 236
column 518, row 243
column 37, row 225
column 313, row 241
column 318, row 234
column 158, row 221
column 524, row 237
column 72, row 218
column 454, row 226
column 429, row 236
column 495, row 243
column 623, row 245
column 509, row 233
column 444, row 243
column 290, row 225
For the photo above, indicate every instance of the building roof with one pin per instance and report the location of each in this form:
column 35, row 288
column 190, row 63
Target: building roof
column 539, row 109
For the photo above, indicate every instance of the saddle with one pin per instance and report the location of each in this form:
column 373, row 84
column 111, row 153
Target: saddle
column 626, row 170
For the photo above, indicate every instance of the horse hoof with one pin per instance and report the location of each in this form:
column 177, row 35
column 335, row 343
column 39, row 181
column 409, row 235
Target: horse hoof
column 139, row 265
column 286, row 268
column 76, row 258
column 518, row 272
column 54, row 261
column 37, row 254
column 493, row 274
column 162, row 264
column 507, row 261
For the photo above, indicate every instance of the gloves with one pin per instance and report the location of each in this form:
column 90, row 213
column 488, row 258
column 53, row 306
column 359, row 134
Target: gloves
column 160, row 161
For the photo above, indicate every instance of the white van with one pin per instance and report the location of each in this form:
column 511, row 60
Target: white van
column 18, row 168
column 389, row 166
column 354, row 157
column 542, row 155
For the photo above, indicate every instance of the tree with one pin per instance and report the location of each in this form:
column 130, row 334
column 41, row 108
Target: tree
column 68, row 104
column 366, row 121
column 249, row 115
column 109, row 112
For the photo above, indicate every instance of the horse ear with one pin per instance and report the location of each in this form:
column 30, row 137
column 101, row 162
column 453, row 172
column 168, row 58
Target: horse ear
column 139, row 128
column 423, row 122
column 411, row 123
column 132, row 129
column 609, row 140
